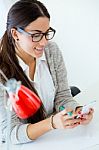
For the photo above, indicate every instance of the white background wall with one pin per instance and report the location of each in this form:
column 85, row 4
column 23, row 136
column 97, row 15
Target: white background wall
column 77, row 25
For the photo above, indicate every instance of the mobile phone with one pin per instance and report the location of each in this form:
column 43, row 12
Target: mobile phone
column 86, row 108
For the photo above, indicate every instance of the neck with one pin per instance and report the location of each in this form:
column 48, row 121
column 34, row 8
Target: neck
column 28, row 59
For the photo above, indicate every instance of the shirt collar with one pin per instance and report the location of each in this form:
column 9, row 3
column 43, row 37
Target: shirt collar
column 25, row 66
column 22, row 63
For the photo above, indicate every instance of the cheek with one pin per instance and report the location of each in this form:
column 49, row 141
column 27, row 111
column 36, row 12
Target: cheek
column 26, row 44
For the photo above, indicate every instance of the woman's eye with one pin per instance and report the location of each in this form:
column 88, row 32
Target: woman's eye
column 37, row 35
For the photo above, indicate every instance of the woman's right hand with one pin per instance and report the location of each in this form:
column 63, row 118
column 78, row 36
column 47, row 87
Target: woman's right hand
column 63, row 121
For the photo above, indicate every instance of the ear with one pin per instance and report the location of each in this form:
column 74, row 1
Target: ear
column 15, row 34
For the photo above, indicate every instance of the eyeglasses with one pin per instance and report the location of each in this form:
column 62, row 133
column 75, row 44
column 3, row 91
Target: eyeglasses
column 36, row 37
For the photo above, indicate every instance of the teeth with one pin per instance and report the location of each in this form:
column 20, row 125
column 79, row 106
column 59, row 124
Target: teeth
column 38, row 49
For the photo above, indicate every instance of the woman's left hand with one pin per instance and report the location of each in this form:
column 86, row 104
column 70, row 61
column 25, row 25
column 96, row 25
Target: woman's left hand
column 86, row 118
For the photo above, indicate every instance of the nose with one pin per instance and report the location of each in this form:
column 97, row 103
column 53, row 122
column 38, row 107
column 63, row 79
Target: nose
column 43, row 41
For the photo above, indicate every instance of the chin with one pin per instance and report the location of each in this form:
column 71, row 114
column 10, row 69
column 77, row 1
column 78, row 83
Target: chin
column 38, row 56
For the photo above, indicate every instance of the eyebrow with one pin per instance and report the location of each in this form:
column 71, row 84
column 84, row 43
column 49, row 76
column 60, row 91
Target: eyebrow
column 35, row 30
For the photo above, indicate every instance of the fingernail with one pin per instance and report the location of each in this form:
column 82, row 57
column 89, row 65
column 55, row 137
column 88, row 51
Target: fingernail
column 61, row 108
column 79, row 112
column 69, row 113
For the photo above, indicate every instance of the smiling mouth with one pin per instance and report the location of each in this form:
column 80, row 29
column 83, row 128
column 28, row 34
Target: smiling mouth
column 39, row 49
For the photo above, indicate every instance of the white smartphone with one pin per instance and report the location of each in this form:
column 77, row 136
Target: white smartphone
column 86, row 108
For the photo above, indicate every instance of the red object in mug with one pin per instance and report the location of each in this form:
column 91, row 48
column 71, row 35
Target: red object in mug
column 26, row 103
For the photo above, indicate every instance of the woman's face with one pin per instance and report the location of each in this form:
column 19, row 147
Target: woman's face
column 26, row 43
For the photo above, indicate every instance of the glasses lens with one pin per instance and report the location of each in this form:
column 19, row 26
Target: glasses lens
column 50, row 34
column 37, row 37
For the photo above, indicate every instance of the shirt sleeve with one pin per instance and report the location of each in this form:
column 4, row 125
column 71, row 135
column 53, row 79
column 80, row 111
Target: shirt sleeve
column 63, row 95
column 19, row 134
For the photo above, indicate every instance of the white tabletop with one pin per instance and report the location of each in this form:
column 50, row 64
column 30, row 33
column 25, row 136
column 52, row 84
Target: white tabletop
column 80, row 138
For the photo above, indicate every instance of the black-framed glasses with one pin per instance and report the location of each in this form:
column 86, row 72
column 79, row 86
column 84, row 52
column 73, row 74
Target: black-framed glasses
column 36, row 37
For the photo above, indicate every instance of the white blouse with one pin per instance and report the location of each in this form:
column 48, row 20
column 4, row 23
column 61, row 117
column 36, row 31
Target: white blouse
column 43, row 82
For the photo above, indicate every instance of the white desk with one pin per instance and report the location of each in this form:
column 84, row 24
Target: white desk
column 80, row 138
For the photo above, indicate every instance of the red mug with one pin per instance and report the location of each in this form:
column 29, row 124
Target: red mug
column 25, row 103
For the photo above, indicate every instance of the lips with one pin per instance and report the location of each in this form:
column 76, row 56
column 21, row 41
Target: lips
column 39, row 49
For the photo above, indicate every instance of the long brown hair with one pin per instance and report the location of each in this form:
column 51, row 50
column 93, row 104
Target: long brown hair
column 21, row 14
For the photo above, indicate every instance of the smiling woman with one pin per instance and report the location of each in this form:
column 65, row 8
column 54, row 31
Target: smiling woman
column 27, row 55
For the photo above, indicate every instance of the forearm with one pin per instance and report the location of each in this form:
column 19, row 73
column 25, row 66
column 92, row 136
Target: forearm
column 36, row 130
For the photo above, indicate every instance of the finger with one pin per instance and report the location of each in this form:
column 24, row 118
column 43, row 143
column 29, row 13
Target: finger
column 67, row 111
column 74, row 125
column 71, row 121
column 87, row 116
column 63, row 112
column 78, row 110
column 91, row 110
column 70, row 126
column 66, row 117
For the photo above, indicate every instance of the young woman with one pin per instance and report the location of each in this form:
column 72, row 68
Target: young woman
column 27, row 55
